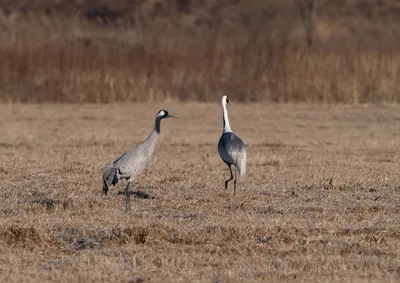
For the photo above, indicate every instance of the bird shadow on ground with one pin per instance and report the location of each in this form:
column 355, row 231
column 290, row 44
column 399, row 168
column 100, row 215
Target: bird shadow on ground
column 139, row 194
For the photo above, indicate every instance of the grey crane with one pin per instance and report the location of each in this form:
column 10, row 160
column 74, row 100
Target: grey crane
column 133, row 162
column 231, row 148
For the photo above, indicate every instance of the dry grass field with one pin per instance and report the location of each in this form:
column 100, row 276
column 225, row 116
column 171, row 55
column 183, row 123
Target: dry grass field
column 150, row 50
column 321, row 199
column 320, row 202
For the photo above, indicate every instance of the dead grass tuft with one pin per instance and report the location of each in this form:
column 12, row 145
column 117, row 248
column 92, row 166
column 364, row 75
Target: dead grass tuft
column 23, row 237
column 51, row 204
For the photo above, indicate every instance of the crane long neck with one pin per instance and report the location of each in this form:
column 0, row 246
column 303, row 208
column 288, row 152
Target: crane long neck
column 227, row 126
column 150, row 143
column 157, row 125
column 151, row 140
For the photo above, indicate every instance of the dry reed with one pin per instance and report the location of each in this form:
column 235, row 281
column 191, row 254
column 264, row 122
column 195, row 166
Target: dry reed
column 255, row 52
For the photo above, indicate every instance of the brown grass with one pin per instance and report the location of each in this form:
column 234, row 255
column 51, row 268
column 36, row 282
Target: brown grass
column 320, row 202
column 255, row 50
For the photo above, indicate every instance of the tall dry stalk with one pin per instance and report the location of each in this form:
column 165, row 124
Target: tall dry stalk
column 259, row 58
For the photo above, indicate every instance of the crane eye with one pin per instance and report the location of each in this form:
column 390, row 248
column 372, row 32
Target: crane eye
column 227, row 100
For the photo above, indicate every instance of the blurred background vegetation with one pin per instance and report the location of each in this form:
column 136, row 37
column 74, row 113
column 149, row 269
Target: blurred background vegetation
column 342, row 51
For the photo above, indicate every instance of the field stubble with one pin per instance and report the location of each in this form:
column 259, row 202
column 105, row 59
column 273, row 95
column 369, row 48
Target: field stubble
column 320, row 201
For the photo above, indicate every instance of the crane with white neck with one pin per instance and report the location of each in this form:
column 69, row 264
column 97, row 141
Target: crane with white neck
column 231, row 148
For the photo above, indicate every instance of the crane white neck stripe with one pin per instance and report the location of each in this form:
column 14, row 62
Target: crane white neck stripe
column 227, row 126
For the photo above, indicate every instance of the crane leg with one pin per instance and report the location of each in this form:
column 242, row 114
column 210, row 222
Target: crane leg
column 127, row 197
column 231, row 178
column 234, row 183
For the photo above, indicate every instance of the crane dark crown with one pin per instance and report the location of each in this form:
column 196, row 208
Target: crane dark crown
column 162, row 114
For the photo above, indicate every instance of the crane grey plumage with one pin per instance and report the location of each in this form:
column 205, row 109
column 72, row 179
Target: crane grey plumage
column 133, row 162
column 231, row 148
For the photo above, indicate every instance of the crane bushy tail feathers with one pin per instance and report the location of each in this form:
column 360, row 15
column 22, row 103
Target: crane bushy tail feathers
column 241, row 164
column 109, row 178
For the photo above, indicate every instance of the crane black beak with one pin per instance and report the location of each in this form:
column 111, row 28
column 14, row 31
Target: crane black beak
column 230, row 103
column 172, row 116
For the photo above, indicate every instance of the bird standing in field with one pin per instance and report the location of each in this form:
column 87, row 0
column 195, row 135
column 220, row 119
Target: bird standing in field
column 231, row 148
column 132, row 163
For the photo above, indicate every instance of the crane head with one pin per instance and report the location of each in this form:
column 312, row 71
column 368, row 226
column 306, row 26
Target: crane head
column 225, row 99
column 162, row 114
